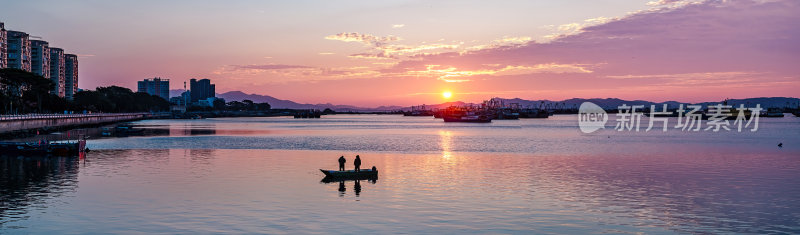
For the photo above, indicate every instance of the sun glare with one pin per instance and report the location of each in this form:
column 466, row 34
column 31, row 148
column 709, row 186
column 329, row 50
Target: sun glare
column 447, row 94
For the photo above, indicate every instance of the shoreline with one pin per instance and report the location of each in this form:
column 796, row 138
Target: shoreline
column 19, row 134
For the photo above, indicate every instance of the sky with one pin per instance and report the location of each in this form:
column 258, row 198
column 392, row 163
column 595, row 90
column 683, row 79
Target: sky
column 373, row 53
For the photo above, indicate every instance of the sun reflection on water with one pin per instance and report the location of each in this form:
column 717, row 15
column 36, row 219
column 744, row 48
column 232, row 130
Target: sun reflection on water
column 446, row 143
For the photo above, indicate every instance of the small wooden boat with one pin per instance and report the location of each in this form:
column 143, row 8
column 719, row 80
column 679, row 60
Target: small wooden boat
column 350, row 174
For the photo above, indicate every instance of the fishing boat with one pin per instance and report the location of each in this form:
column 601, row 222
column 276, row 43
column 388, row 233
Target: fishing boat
column 418, row 111
column 465, row 114
column 350, row 174
column 467, row 118
column 534, row 113
column 310, row 113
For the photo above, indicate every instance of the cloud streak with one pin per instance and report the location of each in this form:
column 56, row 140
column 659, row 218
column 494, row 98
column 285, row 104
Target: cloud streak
column 715, row 36
column 268, row 66
column 366, row 39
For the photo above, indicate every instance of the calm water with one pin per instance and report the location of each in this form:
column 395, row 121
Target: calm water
column 260, row 175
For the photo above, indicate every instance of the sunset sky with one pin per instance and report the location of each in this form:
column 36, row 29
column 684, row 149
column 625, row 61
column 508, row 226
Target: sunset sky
column 372, row 53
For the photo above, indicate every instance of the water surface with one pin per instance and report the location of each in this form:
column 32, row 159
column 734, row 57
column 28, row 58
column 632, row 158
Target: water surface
column 260, row 175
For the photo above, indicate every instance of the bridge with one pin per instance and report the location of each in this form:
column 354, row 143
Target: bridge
column 12, row 123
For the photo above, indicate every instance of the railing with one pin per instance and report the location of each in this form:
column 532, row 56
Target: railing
column 31, row 116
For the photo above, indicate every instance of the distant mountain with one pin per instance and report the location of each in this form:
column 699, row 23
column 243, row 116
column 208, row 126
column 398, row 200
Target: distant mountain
column 606, row 103
column 176, row 92
column 288, row 104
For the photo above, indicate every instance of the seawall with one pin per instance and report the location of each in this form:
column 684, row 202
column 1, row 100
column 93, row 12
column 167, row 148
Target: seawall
column 21, row 123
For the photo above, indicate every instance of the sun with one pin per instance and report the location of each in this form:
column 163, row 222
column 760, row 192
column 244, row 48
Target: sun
column 447, row 94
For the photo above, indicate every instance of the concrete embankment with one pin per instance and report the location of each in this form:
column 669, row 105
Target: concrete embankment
column 13, row 124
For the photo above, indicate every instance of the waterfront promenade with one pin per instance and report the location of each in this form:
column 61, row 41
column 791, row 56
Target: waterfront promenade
column 12, row 123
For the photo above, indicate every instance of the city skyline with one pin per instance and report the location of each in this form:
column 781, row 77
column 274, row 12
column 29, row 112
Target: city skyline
column 19, row 51
column 410, row 52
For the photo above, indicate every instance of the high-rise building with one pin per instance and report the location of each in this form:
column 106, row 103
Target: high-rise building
column 36, row 56
column 19, row 50
column 155, row 86
column 3, row 46
column 70, row 75
column 40, row 58
column 57, row 70
column 201, row 89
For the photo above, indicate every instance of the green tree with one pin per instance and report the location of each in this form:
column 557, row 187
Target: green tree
column 116, row 99
column 23, row 92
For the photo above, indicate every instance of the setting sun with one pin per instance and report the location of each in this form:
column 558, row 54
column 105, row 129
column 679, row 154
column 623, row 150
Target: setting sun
column 447, row 94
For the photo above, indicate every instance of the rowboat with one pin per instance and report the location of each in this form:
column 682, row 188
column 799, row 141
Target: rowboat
column 350, row 174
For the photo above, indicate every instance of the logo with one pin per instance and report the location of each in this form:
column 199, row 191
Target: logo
column 591, row 117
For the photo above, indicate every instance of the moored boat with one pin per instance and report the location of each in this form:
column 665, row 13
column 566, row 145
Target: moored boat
column 773, row 112
column 467, row 118
column 55, row 148
column 419, row 111
column 462, row 114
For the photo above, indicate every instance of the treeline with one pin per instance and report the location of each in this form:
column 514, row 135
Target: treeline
column 24, row 92
column 116, row 99
column 247, row 105
column 244, row 105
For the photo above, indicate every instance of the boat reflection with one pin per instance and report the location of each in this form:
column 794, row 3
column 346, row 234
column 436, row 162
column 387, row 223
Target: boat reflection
column 31, row 180
column 328, row 180
column 342, row 189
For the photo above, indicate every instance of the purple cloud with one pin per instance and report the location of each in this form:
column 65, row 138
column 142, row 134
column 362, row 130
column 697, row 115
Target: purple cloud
column 713, row 36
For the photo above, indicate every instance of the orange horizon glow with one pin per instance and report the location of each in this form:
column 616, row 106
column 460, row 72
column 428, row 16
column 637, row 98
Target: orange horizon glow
column 385, row 53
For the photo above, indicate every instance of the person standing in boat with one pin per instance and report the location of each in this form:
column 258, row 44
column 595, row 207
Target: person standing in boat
column 341, row 163
column 357, row 163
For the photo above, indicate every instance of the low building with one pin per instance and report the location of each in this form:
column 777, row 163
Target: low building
column 183, row 99
column 208, row 102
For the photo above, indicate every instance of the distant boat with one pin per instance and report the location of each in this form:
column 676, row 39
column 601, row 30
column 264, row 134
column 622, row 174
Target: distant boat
column 467, row 118
column 773, row 112
column 310, row 113
column 534, row 113
column 350, row 174
column 463, row 114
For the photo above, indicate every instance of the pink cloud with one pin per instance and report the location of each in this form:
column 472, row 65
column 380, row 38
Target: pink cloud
column 714, row 36
column 693, row 52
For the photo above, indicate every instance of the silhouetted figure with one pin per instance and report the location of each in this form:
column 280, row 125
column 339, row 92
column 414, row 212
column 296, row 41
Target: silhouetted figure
column 374, row 169
column 780, row 145
column 357, row 163
column 341, row 163
column 357, row 187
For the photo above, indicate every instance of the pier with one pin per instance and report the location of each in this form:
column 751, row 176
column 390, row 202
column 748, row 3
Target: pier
column 14, row 123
